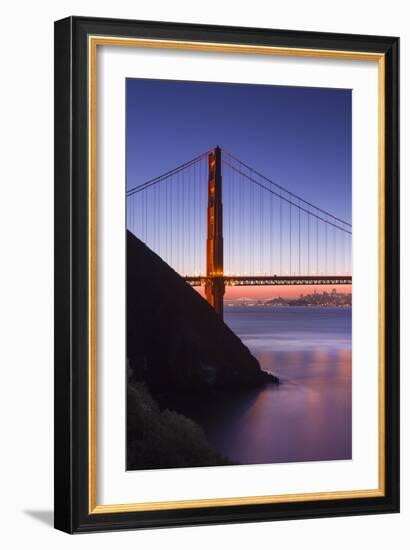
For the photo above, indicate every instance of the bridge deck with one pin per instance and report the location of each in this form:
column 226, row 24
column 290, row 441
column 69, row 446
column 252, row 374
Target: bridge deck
column 274, row 280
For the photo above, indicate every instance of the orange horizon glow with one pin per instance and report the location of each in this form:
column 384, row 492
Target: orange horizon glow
column 266, row 292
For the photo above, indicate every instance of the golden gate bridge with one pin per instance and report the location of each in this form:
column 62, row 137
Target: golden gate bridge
column 218, row 222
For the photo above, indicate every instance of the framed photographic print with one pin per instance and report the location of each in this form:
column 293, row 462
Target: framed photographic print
column 226, row 274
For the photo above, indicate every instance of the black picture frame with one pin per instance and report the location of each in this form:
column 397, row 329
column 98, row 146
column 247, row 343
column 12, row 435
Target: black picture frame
column 71, row 494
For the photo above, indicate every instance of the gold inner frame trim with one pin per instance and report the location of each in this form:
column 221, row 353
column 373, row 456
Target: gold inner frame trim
column 93, row 42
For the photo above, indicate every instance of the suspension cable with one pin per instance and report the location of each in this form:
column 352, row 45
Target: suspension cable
column 284, row 189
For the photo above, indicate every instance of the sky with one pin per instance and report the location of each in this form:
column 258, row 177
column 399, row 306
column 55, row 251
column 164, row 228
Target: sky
column 299, row 137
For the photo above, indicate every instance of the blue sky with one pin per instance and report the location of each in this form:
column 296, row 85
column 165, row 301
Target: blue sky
column 298, row 137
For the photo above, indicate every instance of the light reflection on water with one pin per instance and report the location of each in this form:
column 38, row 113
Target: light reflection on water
column 308, row 416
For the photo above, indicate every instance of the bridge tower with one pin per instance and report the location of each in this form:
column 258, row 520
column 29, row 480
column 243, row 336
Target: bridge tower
column 215, row 287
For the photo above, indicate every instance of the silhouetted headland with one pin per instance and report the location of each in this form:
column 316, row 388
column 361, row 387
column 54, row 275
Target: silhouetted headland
column 175, row 340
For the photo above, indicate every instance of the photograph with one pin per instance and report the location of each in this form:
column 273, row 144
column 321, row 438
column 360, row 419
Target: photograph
column 238, row 274
column 205, row 285
column 226, row 274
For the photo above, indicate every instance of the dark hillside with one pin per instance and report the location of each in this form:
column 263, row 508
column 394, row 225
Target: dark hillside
column 175, row 340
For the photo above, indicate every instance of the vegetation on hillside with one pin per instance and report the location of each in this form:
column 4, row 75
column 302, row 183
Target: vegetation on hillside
column 163, row 439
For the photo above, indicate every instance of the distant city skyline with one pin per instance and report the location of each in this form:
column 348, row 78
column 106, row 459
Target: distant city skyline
column 271, row 292
column 333, row 295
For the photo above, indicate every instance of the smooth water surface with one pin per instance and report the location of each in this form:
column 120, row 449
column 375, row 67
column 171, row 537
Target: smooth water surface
column 307, row 416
